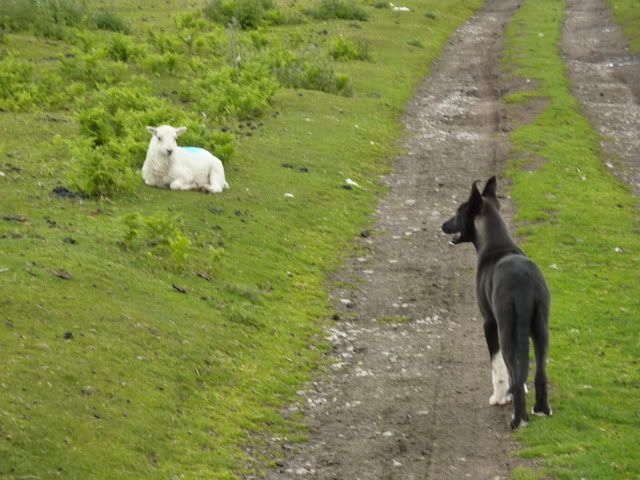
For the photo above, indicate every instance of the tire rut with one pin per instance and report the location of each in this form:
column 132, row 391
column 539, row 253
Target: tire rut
column 409, row 400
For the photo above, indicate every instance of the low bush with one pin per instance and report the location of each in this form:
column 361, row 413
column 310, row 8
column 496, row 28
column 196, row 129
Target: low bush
column 111, row 22
column 158, row 235
column 99, row 173
column 92, row 69
column 342, row 48
column 163, row 42
column 162, row 63
column 340, row 9
column 46, row 18
column 380, row 4
column 22, row 88
column 242, row 92
column 123, row 49
column 310, row 69
column 248, row 13
column 283, row 17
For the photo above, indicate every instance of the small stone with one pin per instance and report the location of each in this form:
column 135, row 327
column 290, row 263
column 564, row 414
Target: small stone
column 87, row 390
column 68, row 335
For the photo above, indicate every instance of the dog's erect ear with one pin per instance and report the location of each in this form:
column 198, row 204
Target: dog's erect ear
column 180, row 130
column 490, row 188
column 475, row 199
column 490, row 191
column 152, row 130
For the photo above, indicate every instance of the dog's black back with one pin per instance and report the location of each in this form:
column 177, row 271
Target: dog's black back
column 513, row 298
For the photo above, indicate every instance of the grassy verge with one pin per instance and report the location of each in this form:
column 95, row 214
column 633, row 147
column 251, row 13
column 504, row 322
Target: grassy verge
column 627, row 15
column 581, row 225
column 155, row 334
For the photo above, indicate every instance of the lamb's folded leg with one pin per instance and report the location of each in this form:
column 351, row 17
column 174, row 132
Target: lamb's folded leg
column 180, row 184
column 213, row 188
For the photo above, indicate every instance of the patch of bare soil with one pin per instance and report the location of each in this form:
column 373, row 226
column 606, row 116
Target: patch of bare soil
column 606, row 81
column 410, row 399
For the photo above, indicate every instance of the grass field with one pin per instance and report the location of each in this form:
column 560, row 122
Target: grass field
column 582, row 226
column 155, row 334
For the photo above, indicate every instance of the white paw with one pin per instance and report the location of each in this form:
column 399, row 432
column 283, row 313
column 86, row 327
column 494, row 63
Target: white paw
column 526, row 389
column 542, row 414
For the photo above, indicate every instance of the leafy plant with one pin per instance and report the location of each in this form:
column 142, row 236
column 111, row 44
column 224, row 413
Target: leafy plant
column 111, row 22
column 248, row 13
column 163, row 63
column 340, row 9
column 283, row 17
column 122, row 49
column 242, row 92
column 158, row 235
column 46, row 18
column 92, row 69
column 24, row 89
column 310, row 69
column 380, row 4
column 99, row 173
column 342, row 48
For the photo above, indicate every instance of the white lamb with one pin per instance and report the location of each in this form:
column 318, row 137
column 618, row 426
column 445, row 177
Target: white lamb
column 180, row 168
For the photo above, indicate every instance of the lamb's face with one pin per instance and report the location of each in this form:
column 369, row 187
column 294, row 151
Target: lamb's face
column 164, row 139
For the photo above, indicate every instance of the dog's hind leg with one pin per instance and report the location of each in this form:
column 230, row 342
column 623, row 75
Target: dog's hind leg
column 514, row 339
column 540, row 337
column 499, row 373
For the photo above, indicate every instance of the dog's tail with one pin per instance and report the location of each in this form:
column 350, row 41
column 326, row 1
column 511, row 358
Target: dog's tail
column 523, row 316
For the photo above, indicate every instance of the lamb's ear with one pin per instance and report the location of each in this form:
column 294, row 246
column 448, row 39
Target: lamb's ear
column 490, row 191
column 180, row 130
column 152, row 130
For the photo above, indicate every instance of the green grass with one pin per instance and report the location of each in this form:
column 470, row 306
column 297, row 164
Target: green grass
column 178, row 367
column 627, row 14
column 581, row 225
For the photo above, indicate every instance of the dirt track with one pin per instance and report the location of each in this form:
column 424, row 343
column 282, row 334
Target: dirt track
column 606, row 81
column 410, row 400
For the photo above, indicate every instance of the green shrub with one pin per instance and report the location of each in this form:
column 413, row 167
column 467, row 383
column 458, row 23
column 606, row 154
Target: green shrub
column 111, row 22
column 309, row 69
column 248, row 13
column 283, row 17
column 342, row 48
column 99, row 173
column 123, row 49
column 166, row 42
column 23, row 88
column 158, row 235
column 242, row 92
column 340, row 9
column 46, row 18
column 162, row 63
column 18, row 90
column 380, row 4
column 191, row 21
column 92, row 68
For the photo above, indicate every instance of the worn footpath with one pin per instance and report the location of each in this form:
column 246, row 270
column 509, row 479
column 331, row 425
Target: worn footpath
column 408, row 395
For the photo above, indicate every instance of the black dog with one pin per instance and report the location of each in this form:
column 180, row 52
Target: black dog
column 513, row 298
